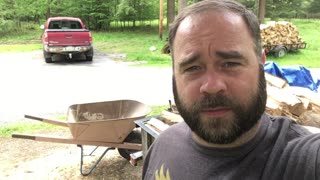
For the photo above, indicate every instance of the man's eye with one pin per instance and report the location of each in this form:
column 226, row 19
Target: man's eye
column 231, row 64
column 192, row 69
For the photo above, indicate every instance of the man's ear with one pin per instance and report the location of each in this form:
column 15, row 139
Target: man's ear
column 263, row 57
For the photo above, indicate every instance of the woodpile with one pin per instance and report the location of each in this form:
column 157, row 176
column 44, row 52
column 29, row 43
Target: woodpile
column 279, row 33
column 298, row 103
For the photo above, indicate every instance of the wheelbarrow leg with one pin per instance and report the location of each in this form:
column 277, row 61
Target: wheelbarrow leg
column 95, row 164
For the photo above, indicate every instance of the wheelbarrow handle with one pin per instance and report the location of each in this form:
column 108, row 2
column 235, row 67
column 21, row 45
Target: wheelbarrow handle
column 50, row 121
column 24, row 136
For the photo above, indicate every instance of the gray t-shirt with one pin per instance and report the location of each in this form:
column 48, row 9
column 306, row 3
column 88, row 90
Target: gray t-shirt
column 282, row 149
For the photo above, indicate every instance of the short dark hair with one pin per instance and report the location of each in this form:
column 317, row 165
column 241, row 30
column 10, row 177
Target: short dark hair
column 221, row 6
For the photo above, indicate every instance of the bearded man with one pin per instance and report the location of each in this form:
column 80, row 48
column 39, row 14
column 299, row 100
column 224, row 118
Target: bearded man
column 220, row 91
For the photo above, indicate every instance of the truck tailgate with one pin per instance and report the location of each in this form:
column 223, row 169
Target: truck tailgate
column 69, row 37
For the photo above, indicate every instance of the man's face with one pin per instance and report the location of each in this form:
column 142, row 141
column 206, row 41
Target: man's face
column 217, row 85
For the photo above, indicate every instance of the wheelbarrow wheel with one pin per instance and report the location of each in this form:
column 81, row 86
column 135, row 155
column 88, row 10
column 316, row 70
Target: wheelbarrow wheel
column 133, row 137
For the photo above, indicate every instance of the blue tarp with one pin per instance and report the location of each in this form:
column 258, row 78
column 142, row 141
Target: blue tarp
column 294, row 75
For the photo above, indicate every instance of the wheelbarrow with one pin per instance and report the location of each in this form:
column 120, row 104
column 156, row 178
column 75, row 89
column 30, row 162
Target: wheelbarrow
column 109, row 124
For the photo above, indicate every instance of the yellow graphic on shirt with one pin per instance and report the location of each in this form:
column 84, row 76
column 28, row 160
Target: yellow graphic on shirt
column 161, row 175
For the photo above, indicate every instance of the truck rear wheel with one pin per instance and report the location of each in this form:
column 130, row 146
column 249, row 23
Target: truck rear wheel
column 48, row 60
column 89, row 55
column 47, row 57
column 89, row 58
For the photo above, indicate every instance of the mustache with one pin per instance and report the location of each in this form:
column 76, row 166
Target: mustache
column 212, row 101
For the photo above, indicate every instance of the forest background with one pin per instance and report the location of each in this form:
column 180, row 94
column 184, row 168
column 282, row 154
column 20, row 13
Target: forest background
column 106, row 15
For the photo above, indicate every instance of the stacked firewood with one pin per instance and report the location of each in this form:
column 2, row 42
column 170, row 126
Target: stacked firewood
column 279, row 33
column 298, row 103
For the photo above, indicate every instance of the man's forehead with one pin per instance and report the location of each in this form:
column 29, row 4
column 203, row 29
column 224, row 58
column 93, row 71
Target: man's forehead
column 186, row 25
column 195, row 29
column 215, row 19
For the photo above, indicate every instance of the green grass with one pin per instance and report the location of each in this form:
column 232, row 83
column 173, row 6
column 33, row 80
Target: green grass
column 135, row 44
column 26, row 127
column 19, row 47
column 38, row 127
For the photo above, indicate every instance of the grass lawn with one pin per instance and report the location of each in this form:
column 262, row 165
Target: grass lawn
column 136, row 44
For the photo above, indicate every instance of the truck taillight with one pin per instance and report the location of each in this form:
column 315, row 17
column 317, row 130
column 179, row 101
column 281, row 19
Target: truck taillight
column 90, row 38
column 45, row 37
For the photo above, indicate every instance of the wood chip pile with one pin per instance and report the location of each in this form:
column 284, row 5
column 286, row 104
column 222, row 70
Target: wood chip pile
column 279, row 33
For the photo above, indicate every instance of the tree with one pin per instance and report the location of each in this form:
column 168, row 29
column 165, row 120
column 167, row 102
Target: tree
column 284, row 9
column 170, row 12
column 261, row 10
column 314, row 7
column 182, row 4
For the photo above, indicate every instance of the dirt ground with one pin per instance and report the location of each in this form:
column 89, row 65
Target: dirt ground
column 28, row 159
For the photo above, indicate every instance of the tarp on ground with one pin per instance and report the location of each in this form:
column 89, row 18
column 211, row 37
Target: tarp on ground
column 294, row 75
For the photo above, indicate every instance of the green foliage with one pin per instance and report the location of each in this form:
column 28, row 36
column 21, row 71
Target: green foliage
column 26, row 33
column 314, row 7
column 156, row 110
column 97, row 14
column 283, row 8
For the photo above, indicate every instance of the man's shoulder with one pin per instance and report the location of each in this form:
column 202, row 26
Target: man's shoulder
column 287, row 125
column 295, row 133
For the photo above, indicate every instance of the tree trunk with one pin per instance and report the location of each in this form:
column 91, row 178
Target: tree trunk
column 261, row 11
column 182, row 4
column 161, row 19
column 170, row 12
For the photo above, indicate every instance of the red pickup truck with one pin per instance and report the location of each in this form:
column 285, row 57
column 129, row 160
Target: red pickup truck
column 67, row 36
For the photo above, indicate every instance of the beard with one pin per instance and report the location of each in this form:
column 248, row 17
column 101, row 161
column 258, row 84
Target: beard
column 223, row 130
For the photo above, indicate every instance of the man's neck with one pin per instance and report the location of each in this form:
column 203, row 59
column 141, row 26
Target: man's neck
column 244, row 138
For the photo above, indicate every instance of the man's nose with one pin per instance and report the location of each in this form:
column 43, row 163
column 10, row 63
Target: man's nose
column 213, row 83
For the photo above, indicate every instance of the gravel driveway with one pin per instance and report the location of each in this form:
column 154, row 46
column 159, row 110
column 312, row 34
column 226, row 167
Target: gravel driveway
column 30, row 86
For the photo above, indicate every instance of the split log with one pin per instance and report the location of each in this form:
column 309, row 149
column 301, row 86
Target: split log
column 158, row 124
column 305, row 93
column 170, row 118
column 288, row 102
column 310, row 118
column 275, row 81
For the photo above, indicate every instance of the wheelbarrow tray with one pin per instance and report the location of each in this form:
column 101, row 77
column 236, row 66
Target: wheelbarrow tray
column 96, row 124
column 107, row 122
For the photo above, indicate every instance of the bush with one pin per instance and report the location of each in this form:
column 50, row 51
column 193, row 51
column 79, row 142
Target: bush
column 6, row 26
column 10, row 27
